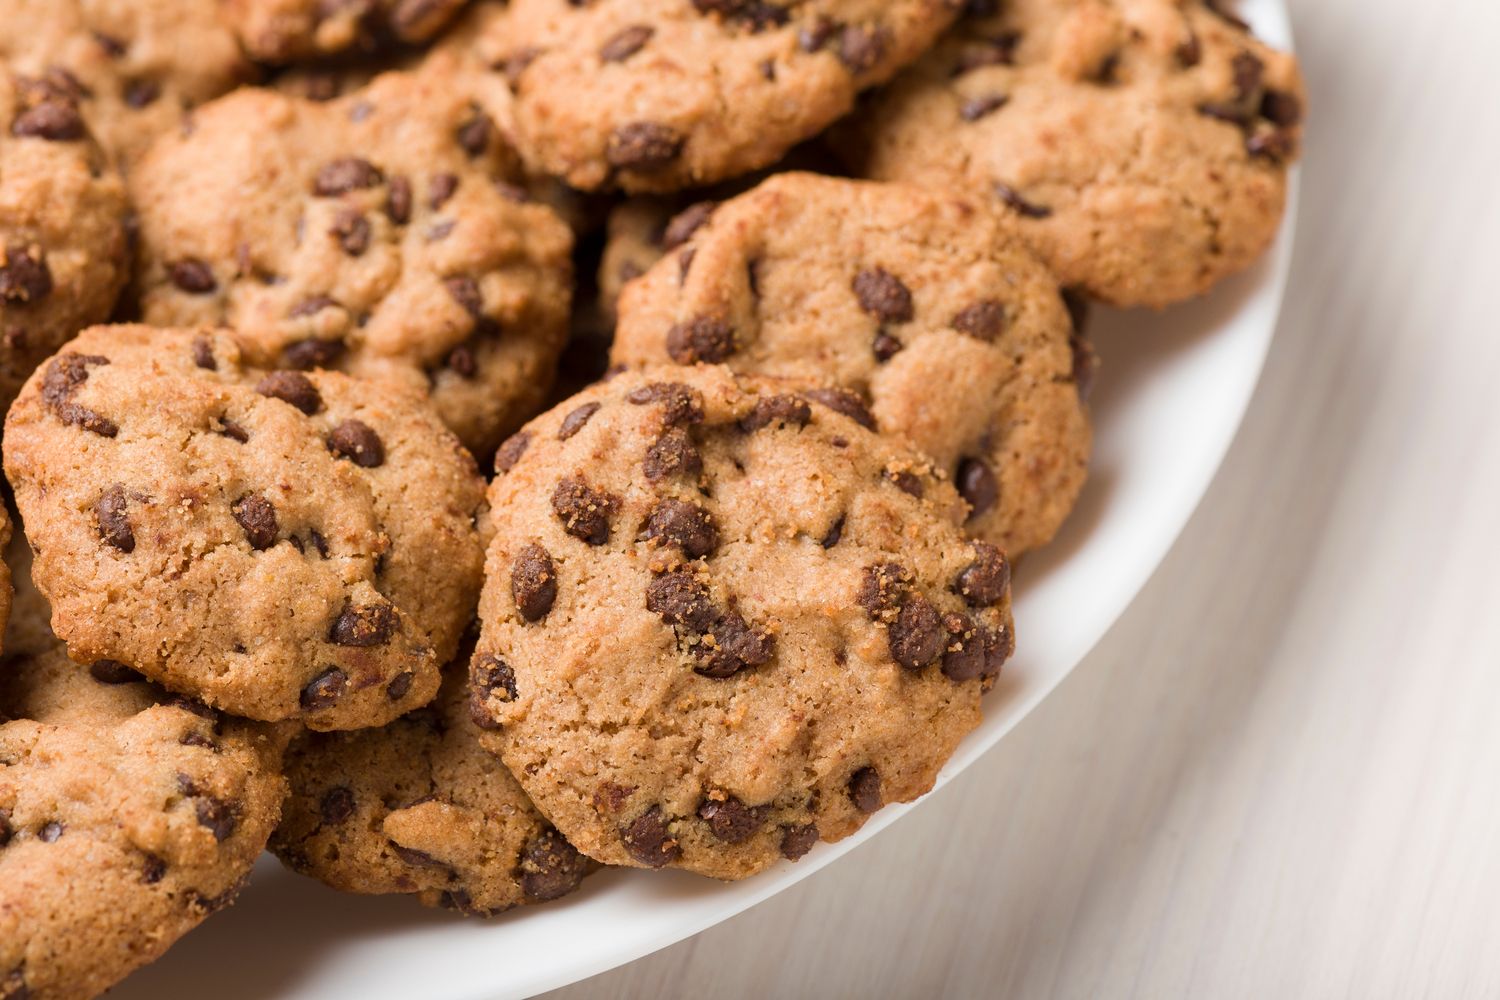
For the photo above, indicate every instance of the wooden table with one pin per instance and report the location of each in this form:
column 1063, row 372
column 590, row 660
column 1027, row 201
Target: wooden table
column 1279, row 775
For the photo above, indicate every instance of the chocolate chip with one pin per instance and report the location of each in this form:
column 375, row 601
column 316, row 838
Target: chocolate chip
column 358, row 442
column 784, row 410
column 964, row 659
column 864, row 790
column 685, row 223
column 812, row 37
column 680, row 598
column 141, row 93
column 291, row 387
column 311, row 306
column 702, row 338
column 681, row 404
column 364, row 626
column 982, row 321
column 491, row 676
column 65, row 375
column 325, row 690
column 192, row 276
column 114, row 524
column 218, row 816
column 626, row 43
column 25, row 277
column 575, row 420
column 1190, row 52
column 1277, row 145
column 885, row 346
column 465, row 291
column 671, row 454
column 843, row 401
column 258, row 519
column 337, row 805
column 647, row 840
column 153, row 869
column 203, row 354
column 976, row 108
column 986, row 580
column 1281, row 108
column 510, row 452
column 862, row 48
column 1013, row 198
column 50, row 831
column 835, row 534
column 305, row 355
column 233, row 431
column 441, row 188
column 352, row 230
column 475, row 132
column 796, row 841
column 685, row 525
column 584, row 511
column 55, row 118
column 730, row 646
column 977, row 484
column 906, row 481
column 398, row 201
column 533, row 582
column 550, row 867
column 416, row 858
column 643, row 146
column 461, row 361
column 731, row 820
column 882, row 590
column 400, row 685
column 916, row 636
column 345, row 175
column 112, row 672
column 191, row 739
column 882, row 295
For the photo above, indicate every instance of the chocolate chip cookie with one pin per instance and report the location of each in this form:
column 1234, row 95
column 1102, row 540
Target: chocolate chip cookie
column 1142, row 145
column 262, row 541
column 137, row 65
column 63, row 255
column 723, row 620
column 656, row 95
column 384, row 233
column 919, row 303
column 420, row 807
column 126, row 817
column 277, row 31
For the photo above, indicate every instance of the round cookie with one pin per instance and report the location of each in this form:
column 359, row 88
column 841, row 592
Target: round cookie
column 126, row 817
column 723, row 620
column 420, row 807
column 139, row 65
column 657, row 95
column 277, row 31
column 261, row 541
column 917, row 301
column 63, row 255
column 383, row 233
column 1142, row 145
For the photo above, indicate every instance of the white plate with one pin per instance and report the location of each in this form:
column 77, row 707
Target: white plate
column 1171, row 393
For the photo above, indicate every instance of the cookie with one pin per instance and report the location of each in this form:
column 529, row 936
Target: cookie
column 723, row 620
column 657, row 95
column 918, row 302
column 63, row 255
column 1142, row 145
column 126, row 817
column 261, row 541
column 276, row 31
column 383, row 233
column 420, row 807
column 138, row 65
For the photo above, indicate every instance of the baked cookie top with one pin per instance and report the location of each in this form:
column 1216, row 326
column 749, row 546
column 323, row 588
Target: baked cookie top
column 139, row 65
column 918, row 302
column 722, row 619
column 126, row 817
column 277, row 31
column 656, row 95
column 382, row 233
column 262, row 541
column 420, row 807
column 63, row 255
column 1142, row 145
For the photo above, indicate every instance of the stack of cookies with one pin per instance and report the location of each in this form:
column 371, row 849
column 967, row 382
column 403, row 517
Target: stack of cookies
column 464, row 444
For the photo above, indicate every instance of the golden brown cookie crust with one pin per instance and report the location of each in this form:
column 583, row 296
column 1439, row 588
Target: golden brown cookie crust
column 695, row 603
column 262, row 541
column 277, row 31
column 1142, row 145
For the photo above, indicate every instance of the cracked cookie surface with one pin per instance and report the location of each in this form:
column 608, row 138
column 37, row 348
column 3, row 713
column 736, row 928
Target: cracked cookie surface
column 126, row 818
column 1142, row 145
column 920, row 303
column 262, row 541
column 656, row 95
column 419, row 807
column 723, row 620
column 385, row 233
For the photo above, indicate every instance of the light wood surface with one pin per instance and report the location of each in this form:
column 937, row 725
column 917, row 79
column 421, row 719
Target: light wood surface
column 1279, row 775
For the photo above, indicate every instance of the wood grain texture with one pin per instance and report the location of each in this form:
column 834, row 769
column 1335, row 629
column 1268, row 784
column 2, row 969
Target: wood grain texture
column 1279, row 775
